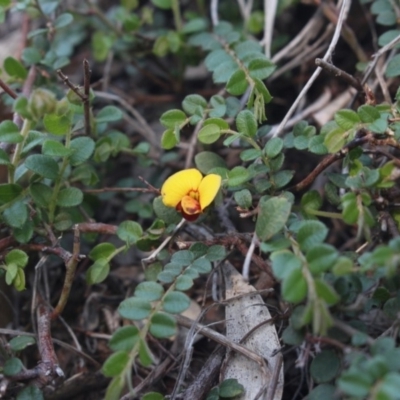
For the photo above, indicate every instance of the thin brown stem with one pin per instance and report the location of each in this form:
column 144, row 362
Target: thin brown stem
column 86, row 102
column 330, row 159
column 339, row 73
column 123, row 190
column 69, row 275
column 97, row 227
column 73, row 87
column 7, row 89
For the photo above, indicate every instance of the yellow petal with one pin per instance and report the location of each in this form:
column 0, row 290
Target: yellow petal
column 179, row 185
column 208, row 189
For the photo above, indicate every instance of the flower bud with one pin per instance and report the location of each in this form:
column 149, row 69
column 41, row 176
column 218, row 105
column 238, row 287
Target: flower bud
column 41, row 102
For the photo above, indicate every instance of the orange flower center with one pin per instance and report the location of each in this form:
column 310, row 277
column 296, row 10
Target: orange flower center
column 190, row 203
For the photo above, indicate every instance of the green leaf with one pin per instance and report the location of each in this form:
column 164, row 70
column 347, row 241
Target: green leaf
column 161, row 46
column 48, row 6
column 109, row 114
column 387, row 37
column 9, row 132
column 150, row 291
column 219, row 106
column 12, row 366
column 250, row 154
column 130, row 232
column 182, row 258
column 311, row 233
column 63, row 20
column 216, row 252
column 335, row 140
column 301, row 142
column 102, row 43
column 223, row 125
column 57, row 124
column 355, row 384
column 243, row 198
column 172, row 118
column 216, row 58
column 292, row 337
column 41, row 194
column 134, row 308
column 294, row 286
column 284, row 262
column 323, row 391
column 164, row 4
column 54, row 148
column 195, row 25
column 24, row 234
column 42, row 165
column 321, row 258
column 153, row 396
column 18, row 257
column 261, row 68
column 19, row 343
column 202, row 265
column 368, row 113
column 230, row 388
column 237, row 83
column 277, row 243
column 282, row 178
column 311, row 200
column 207, row 160
column 176, row 302
column 4, row 158
column 162, row 325
column 224, row 71
column 393, row 67
column 69, row 197
column 209, row 133
column 19, row 281
column 114, row 389
column 237, row 176
column 82, row 148
column 326, row 292
column 98, row 271
column 16, row 214
column 14, row 68
column 102, row 250
column 273, row 147
column 347, row 119
column 124, row 338
column 183, row 282
column 115, row 364
column 194, row 102
column 272, row 217
column 350, row 210
column 316, row 145
column 170, row 139
column 145, row 356
column 11, row 273
column 9, row 192
column 246, row 123
column 168, row 214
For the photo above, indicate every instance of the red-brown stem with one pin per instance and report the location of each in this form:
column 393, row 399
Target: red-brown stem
column 123, row 190
column 330, row 159
column 86, row 102
column 97, row 227
column 7, row 89
column 69, row 275
column 47, row 368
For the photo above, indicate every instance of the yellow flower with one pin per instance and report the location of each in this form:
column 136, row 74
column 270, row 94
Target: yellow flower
column 189, row 192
